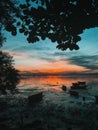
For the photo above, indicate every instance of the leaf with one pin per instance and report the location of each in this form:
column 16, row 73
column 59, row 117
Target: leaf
column 27, row 1
column 26, row 33
column 14, row 33
column 76, row 47
column 21, row 30
column 18, row 23
column 23, row 6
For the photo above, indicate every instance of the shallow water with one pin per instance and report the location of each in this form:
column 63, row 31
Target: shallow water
column 51, row 87
column 58, row 110
column 54, row 82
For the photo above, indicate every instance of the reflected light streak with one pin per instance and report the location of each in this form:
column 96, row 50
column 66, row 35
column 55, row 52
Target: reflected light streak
column 52, row 82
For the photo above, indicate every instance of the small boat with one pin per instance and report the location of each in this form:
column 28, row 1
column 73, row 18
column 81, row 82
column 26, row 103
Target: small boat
column 64, row 87
column 79, row 85
column 74, row 93
column 33, row 99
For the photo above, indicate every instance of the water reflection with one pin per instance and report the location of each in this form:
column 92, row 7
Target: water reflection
column 54, row 82
column 51, row 87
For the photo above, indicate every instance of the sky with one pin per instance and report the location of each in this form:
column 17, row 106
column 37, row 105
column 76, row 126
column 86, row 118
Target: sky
column 44, row 57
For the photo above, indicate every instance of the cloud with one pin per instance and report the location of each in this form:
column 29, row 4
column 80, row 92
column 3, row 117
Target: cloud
column 38, row 52
column 44, row 56
column 89, row 62
column 59, row 54
column 16, row 54
column 30, row 48
column 48, row 59
column 64, row 55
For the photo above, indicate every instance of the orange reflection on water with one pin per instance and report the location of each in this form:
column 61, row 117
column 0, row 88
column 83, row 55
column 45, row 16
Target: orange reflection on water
column 52, row 82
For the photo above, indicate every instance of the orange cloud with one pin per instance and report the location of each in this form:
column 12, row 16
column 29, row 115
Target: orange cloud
column 61, row 66
column 25, row 63
column 18, row 55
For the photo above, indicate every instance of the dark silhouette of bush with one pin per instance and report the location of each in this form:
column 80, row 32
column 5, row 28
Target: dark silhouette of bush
column 9, row 76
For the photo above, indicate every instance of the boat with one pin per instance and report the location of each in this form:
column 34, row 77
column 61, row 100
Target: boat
column 64, row 87
column 79, row 85
column 35, row 98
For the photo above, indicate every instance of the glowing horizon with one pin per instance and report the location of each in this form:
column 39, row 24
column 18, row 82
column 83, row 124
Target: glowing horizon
column 56, row 67
column 43, row 57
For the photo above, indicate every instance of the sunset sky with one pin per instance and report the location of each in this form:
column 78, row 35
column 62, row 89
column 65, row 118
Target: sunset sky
column 45, row 58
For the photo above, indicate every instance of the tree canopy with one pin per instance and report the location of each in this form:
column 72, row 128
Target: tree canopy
column 59, row 20
column 9, row 12
column 9, row 76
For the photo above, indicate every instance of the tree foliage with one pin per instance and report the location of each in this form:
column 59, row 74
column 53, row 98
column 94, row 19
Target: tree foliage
column 9, row 76
column 9, row 12
column 59, row 20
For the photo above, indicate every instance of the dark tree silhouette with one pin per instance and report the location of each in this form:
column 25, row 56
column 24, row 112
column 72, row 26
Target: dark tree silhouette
column 2, row 39
column 9, row 76
column 59, row 20
column 9, row 12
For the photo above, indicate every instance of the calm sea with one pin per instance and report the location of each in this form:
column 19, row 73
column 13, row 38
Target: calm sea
column 55, row 82
column 51, row 87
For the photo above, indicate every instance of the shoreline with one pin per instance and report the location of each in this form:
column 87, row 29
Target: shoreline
column 63, row 115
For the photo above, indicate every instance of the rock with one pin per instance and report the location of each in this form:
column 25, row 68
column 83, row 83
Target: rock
column 64, row 87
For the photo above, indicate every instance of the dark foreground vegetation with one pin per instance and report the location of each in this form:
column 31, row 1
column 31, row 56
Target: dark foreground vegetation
column 17, row 114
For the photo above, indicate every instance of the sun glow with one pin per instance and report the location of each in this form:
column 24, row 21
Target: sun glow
column 55, row 67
